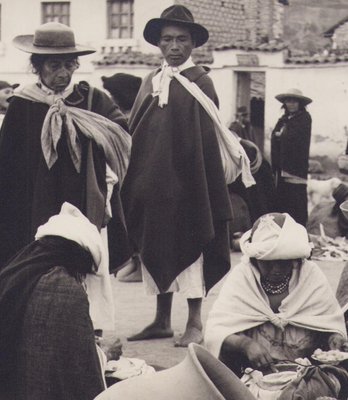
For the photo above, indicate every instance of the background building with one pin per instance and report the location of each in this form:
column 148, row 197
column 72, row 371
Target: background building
column 250, row 53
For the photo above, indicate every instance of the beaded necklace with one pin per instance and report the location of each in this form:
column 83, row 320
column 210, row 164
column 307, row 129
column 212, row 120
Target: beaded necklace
column 275, row 288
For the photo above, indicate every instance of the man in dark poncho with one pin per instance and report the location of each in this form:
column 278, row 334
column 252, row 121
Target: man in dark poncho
column 47, row 347
column 60, row 142
column 174, row 194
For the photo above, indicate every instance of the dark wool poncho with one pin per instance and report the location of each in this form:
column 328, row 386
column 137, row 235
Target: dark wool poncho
column 31, row 193
column 290, row 151
column 47, row 346
column 174, row 195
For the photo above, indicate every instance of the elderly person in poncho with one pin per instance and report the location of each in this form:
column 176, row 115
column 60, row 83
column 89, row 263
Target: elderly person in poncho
column 276, row 304
column 61, row 142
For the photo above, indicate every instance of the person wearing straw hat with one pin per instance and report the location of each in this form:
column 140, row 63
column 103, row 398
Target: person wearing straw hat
column 276, row 304
column 61, row 142
column 290, row 142
column 175, row 196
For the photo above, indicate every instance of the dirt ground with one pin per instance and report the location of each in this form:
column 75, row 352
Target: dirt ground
column 134, row 310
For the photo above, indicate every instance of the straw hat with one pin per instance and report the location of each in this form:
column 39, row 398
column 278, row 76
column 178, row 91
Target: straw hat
column 295, row 94
column 51, row 38
column 179, row 15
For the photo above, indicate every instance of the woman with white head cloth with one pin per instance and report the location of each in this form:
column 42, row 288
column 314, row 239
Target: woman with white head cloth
column 276, row 304
column 51, row 294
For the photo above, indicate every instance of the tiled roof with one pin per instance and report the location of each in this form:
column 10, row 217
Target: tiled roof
column 317, row 59
column 148, row 59
column 270, row 46
column 329, row 32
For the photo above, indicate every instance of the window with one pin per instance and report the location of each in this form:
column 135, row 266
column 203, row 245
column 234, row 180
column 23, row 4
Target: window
column 120, row 19
column 58, row 11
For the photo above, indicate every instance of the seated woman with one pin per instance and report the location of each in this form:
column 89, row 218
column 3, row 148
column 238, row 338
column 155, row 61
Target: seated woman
column 276, row 304
column 47, row 347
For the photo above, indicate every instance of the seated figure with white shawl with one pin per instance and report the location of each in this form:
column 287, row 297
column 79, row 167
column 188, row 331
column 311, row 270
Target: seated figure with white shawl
column 276, row 304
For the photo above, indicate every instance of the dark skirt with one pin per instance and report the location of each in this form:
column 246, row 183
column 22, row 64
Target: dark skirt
column 292, row 199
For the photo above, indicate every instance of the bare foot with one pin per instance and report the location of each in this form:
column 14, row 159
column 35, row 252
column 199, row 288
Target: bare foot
column 191, row 335
column 153, row 331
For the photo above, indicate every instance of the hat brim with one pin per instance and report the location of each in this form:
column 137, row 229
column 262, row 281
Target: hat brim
column 281, row 97
column 152, row 30
column 25, row 43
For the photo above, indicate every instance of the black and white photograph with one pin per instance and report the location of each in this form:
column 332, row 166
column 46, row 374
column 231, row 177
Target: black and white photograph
column 173, row 199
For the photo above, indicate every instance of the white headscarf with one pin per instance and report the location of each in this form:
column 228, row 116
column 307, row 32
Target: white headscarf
column 71, row 224
column 272, row 242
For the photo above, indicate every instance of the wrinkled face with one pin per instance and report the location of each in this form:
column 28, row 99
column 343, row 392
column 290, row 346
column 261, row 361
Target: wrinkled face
column 176, row 44
column 5, row 94
column 292, row 105
column 57, row 71
column 275, row 270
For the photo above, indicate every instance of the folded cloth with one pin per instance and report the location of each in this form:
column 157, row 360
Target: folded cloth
column 269, row 241
column 109, row 136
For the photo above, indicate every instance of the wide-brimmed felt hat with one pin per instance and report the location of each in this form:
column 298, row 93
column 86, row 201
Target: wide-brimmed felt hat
column 179, row 15
column 4, row 85
column 51, row 38
column 124, row 87
column 294, row 94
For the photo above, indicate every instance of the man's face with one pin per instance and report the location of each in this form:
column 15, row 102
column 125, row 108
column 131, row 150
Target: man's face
column 176, row 44
column 4, row 95
column 57, row 71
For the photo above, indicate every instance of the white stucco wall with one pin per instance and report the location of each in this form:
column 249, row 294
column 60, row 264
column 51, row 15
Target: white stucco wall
column 88, row 19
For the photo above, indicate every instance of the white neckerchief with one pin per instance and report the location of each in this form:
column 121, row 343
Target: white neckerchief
column 49, row 92
column 161, row 81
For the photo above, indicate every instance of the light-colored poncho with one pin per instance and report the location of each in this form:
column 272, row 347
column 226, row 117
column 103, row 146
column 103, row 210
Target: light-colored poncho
column 242, row 304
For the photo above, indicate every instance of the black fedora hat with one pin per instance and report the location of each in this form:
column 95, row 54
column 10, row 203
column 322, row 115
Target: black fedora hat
column 179, row 15
column 51, row 38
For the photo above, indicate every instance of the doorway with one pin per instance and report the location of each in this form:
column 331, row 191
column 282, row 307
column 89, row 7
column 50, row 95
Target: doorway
column 251, row 94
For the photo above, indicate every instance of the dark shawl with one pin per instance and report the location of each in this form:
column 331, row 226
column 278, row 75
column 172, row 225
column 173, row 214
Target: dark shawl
column 47, row 348
column 290, row 151
column 174, row 194
column 31, row 193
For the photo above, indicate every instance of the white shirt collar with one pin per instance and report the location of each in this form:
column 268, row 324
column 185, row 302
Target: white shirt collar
column 187, row 64
column 64, row 94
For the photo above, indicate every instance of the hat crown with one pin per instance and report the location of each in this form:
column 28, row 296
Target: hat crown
column 296, row 92
column 54, row 34
column 177, row 13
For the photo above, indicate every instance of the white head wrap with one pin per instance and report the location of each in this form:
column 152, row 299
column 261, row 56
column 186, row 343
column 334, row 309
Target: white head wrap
column 71, row 224
column 272, row 242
